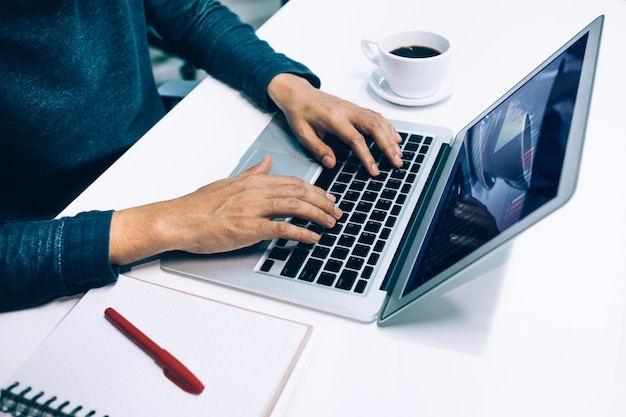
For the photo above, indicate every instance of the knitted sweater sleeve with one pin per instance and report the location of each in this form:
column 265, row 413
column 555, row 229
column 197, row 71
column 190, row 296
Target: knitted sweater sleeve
column 213, row 38
column 44, row 260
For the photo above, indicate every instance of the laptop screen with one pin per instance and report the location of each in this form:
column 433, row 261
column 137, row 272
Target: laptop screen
column 507, row 173
column 510, row 164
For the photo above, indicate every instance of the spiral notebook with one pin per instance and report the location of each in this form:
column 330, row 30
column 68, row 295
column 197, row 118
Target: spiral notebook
column 88, row 368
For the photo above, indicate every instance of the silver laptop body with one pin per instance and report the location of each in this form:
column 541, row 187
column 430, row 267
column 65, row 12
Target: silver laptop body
column 511, row 166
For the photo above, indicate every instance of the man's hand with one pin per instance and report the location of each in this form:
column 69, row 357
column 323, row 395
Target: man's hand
column 312, row 114
column 228, row 214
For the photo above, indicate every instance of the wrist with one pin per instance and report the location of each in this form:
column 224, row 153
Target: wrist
column 285, row 88
column 136, row 234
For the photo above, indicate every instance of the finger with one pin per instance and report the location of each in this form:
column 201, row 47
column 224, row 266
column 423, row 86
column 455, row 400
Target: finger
column 308, row 202
column 262, row 168
column 349, row 134
column 282, row 196
column 388, row 143
column 312, row 140
column 385, row 135
column 359, row 145
column 372, row 124
column 279, row 186
column 288, row 231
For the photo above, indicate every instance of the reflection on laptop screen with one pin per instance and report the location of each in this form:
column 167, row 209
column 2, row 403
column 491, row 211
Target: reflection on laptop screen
column 509, row 166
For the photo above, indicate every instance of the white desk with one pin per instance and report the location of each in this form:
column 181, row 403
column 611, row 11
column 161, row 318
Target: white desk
column 536, row 332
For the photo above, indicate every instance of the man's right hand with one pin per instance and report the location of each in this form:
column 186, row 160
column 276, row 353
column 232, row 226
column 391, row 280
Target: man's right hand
column 228, row 214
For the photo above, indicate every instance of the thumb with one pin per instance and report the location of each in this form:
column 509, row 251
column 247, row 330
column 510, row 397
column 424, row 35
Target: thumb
column 262, row 167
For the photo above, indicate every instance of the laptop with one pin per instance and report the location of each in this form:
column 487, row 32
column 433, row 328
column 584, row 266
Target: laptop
column 413, row 229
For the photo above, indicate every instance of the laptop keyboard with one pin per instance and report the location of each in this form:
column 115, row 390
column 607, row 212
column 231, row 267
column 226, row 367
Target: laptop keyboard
column 346, row 255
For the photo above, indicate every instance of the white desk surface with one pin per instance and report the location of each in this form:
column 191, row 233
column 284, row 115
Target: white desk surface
column 538, row 330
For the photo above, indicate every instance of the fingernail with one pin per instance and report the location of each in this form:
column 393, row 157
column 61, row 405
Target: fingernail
column 338, row 212
column 374, row 170
column 315, row 237
column 331, row 197
column 326, row 161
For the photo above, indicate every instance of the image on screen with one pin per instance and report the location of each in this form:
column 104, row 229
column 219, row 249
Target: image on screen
column 509, row 165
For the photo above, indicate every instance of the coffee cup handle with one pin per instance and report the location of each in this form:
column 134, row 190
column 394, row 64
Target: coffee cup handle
column 370, row 50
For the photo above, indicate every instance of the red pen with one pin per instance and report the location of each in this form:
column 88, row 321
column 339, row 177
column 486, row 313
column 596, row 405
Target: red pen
column 172, row 368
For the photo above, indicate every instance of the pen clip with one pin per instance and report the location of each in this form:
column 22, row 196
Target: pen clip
column 194, row 388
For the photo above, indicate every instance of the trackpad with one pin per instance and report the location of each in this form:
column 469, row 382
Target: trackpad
column 282, row 164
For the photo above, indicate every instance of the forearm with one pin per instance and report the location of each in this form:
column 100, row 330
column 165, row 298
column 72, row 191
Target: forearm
column 216, row 40
column 43, row 260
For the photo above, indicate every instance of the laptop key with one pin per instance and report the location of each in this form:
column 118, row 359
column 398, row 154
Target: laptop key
column 280, row 254
column 367, row 238
column 378, row 215
column 333, row 265
column 352, row 229
column 412, row 146
column 310, row 270
column 394, row 184
column 361, row 251
column 335, row 230
column 294, row 263
column 364, row 207
column 383, row 205
column 357, row 185
column 346, row 279
column 340, row 253
column 388, row 194
column 370, row 196
column 326, row 279
column 347, row 241
column 326, row 178
column 360, row 286
column 352, row 196
column 344, row 178
column 355, row 263
column 320, row 252
column 327, row 240
column 373, row 259
column 267, row 265
column 338, row 188
column 367, row 272
column 373, row 227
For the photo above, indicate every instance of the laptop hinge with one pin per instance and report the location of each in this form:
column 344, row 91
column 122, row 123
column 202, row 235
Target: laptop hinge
column 418, row 213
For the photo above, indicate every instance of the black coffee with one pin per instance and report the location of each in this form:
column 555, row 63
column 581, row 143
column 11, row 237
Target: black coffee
column 416, row 51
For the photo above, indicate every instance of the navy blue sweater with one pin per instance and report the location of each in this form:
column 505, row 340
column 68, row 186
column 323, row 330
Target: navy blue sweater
column 76, row 91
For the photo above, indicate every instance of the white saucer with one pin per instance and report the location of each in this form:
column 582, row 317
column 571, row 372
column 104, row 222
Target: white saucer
column 378, row 84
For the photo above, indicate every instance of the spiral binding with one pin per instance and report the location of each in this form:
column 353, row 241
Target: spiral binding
column 17, row 404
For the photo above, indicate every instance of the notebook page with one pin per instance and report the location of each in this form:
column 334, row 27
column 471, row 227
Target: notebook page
column 242, row 357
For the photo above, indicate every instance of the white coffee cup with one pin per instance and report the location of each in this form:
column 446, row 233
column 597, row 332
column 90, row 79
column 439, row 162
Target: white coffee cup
column 411, row 77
